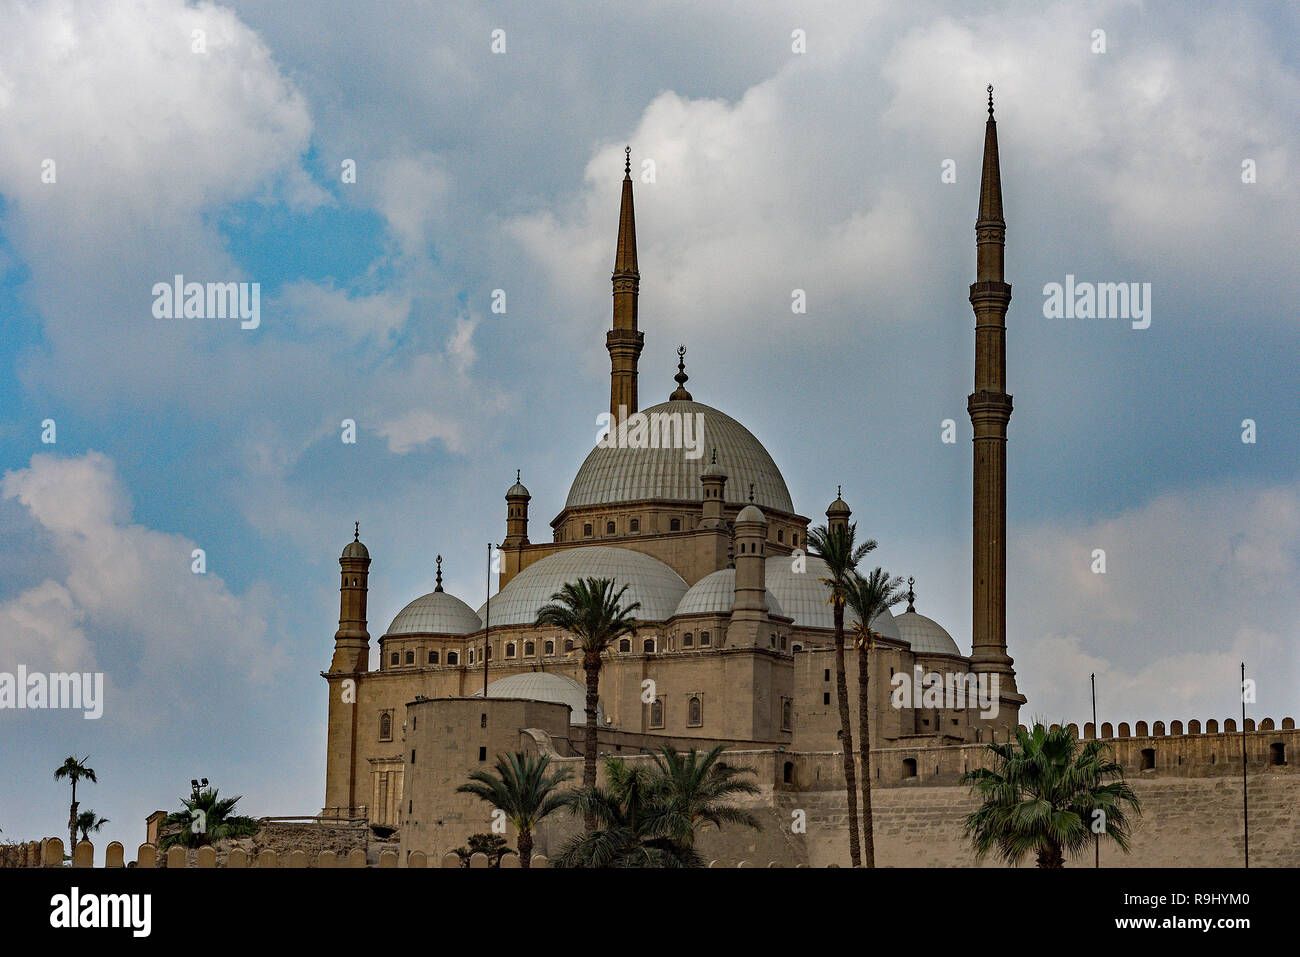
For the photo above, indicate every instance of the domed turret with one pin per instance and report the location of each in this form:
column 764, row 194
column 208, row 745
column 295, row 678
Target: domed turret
column 352, row 640
column 517, row 498
column 714, row 481
column 837, row 515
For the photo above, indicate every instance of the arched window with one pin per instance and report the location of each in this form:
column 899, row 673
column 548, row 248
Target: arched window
column 657, row 713
column 705, row 640
column 688, row 640
column 549, row 647
column 530, row 649
column 695, row 712
column 433, row 657
column 634, row 525
column 410, row 657
column 453, row 658
column 489, row 652
column 787, row 714
column 385, row 726
column 794, row 538
column 394, row 658
column 648, row 646
column 609, row 528
column 510, row 650
column 675, row 525
column 586, row 529
column 624, row 645
column 780, row 534
column 471, row 656
column 798, row 648
column 568, row 645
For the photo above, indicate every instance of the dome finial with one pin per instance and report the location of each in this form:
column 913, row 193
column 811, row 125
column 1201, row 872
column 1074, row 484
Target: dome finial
column 356, row 531
column 439, row 587
column 715, row 456
column 911, row 594
column 839, row 491
column 517, row 482
column 680, row 392
column 990, row 101
column 751, row 492
column 627, row 158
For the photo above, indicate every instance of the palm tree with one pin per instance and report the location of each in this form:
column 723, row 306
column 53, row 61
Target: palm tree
column 88, row 821
column 868, row 597
column 1043, row 794
column 206, row 818
column 74, row 770
column 836, row 548
column 696, row 787
column 592, row 612
column 522, row 789
column 635, row 823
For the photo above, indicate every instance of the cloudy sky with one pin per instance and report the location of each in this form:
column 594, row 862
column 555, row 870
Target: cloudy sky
column 133, row 149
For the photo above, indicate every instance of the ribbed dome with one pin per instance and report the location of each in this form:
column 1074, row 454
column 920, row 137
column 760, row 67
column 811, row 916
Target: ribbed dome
column 803, row 596
column 716, row 594
column 544, row 686
column 627, row 474
column 355, row 550
column 925, row 635
column 657, row 587
column 436, row 613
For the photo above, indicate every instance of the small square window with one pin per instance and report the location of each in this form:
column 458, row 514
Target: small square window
column 826, row 697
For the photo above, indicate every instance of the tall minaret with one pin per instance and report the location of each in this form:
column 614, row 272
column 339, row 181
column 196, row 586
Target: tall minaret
column 623, row 341
column 990, row 410
column 352, row 640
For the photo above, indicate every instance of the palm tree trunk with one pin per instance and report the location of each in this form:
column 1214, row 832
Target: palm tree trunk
column 525, row 846
column 591, row 664
column 864, row 729
column 1051, row 857
column 72, row 820
column 846, row 736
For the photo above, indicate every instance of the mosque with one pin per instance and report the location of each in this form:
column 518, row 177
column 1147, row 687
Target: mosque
column 736, row 633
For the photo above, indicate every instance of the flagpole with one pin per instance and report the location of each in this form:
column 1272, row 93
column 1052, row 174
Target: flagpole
column 1245, row 805
column 487, row 625
column 1096, row 733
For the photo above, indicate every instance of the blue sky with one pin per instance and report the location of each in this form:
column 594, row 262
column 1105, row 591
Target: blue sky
column 479, row 171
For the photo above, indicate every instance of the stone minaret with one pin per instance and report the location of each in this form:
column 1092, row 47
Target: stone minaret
column 990, row 410
column 352, row 641
column 351, row 658
column 623, row 341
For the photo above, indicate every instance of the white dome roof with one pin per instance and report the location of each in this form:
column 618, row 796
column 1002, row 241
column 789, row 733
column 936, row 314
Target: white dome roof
column 657, row 587
column 544, row 686
column 436, row 613
column 803, row 596
column 716, row 594
column 628, row 474
column 925, row 635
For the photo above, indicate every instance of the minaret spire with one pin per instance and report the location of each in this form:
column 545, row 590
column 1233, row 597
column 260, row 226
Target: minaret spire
column 439, row 585
column 990, row 411
column 624, row 341
column 680, row 392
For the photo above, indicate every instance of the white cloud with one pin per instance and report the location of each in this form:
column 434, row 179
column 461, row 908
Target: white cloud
column 130, row 586
column 1196, row 582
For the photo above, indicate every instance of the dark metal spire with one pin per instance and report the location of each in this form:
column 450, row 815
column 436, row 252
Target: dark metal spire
column 356, row 531
column 680, row 392
column 911, row 594
column 439, row 586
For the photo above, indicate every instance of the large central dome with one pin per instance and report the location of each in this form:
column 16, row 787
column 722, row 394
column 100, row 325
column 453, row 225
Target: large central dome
column 628, row 474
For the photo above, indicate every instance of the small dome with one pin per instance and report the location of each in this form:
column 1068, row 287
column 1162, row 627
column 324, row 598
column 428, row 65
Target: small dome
column 436, row 613
column 803, row 596
column 837, row 508
column 925, row 635
column 715, row 594
column 751, row 513
column 545, row 686
column 355, row 549
column 652, row 583
column 518, row 491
